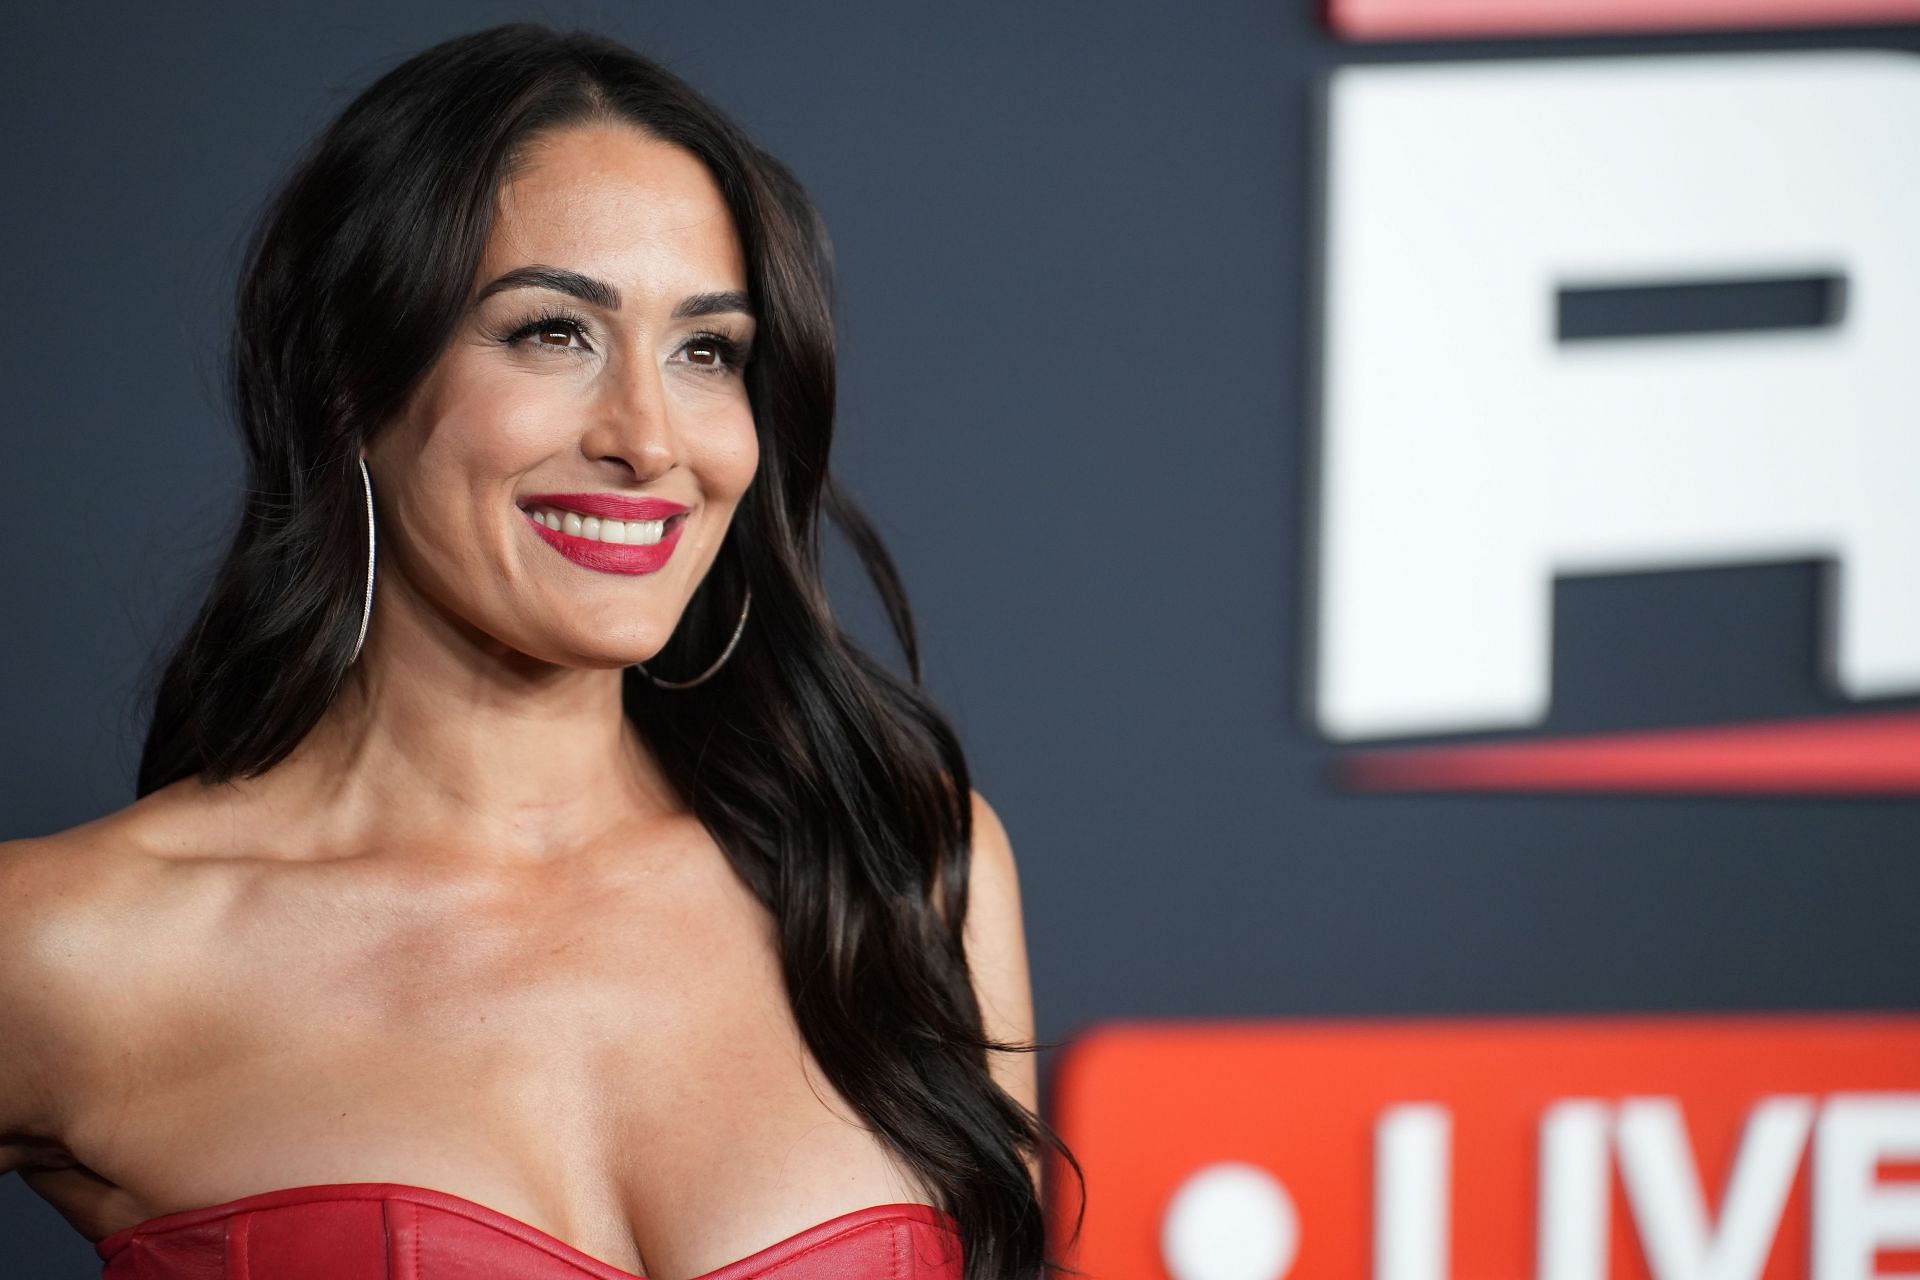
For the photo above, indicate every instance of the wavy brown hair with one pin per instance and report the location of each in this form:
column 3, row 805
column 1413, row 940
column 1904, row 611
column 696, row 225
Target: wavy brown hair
column 836, row 788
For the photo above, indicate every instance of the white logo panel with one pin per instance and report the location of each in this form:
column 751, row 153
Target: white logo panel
column 1468, row 456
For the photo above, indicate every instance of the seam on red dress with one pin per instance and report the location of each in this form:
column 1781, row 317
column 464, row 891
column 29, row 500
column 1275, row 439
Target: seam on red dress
column 400, row 1228
column 235, row 1242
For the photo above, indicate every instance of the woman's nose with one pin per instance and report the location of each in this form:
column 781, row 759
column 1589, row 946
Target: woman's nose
column 632, row 421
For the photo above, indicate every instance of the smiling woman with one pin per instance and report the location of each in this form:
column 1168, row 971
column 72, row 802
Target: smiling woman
column 611, row 328
column 528, row 875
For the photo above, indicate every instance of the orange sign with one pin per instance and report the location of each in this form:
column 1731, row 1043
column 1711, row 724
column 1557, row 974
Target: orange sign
column 1752, row 1147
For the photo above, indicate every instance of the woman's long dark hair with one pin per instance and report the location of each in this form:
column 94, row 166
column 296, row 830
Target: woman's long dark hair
column 836, row 788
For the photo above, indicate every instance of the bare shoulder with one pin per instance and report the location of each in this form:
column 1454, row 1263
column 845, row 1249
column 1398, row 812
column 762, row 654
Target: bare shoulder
column 58, row 896
column 69, row 974
column 996, row 941
column 38, row 987
column 62, row 896
column 994, row 928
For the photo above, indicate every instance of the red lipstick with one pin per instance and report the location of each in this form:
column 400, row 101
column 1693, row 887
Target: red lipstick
column 608, row 557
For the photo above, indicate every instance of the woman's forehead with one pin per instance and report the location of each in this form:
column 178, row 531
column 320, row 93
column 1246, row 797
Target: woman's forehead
column 611, row 200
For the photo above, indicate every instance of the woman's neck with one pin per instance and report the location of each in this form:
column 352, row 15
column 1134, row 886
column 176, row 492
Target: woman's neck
column 457, row 741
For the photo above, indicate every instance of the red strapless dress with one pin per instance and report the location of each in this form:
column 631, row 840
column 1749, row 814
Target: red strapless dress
column 389, row 1231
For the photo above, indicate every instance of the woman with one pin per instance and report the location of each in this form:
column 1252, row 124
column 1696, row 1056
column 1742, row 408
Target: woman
column 580, row 901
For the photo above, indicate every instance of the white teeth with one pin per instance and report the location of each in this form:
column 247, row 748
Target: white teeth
column 631, row 533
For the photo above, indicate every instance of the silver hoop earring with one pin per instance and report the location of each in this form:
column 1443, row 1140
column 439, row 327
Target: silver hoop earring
column 718, row 662
column 366, row 606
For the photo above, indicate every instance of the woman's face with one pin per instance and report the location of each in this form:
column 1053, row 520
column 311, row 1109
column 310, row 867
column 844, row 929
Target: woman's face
column 598, row 364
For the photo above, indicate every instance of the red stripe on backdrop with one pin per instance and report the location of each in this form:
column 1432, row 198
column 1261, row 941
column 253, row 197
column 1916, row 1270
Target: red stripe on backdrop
column 1441, row 19
column 1838, row 755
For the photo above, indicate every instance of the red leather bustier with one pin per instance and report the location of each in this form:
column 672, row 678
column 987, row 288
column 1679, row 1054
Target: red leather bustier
column 389, row 1231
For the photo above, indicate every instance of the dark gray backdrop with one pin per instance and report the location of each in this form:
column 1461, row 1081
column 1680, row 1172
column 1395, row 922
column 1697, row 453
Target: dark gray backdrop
column 1073, row 251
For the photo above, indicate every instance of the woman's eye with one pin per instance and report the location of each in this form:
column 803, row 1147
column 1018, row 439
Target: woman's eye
column 551, row 332
column 711, row 353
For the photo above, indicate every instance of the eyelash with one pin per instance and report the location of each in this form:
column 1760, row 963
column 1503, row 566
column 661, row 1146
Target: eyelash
column 729, row 350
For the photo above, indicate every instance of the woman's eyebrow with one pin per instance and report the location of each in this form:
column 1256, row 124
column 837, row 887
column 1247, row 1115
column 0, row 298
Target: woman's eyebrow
column 603, row 295
column 598, row 292
column 713, row 304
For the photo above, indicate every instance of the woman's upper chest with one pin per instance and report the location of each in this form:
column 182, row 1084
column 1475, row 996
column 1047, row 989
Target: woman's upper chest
column 660, row 956
column 602, row 1049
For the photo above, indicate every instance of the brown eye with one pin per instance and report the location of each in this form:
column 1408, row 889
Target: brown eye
column 551, row 332
column 712, row 353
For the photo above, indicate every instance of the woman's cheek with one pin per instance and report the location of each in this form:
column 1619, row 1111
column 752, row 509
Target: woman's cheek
column 514, row 419
column 743, row 456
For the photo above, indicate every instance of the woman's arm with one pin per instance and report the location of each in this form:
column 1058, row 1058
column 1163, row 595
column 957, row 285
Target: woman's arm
column 997, row 958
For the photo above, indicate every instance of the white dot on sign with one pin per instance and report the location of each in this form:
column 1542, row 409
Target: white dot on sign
column 1230, row 1221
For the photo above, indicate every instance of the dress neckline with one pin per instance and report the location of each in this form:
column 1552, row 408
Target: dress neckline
column 447, row 1202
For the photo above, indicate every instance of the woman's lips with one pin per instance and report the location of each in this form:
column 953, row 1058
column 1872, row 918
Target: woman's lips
column 611, row 557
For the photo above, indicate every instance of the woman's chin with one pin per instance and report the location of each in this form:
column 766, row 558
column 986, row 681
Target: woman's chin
column 582, row 654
